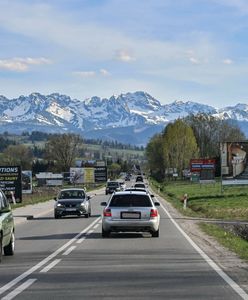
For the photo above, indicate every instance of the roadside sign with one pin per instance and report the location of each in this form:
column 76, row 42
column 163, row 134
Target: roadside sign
column 11, row 182
column 101, row 174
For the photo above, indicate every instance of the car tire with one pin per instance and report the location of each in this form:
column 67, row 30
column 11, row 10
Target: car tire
column 56, row 216
column 86, row 215
column 105, row 233
column 10, row 248
column 155, row 233
column 1, row 248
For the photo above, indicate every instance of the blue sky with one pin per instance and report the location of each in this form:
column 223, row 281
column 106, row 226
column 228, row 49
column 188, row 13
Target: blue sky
column 185, row 50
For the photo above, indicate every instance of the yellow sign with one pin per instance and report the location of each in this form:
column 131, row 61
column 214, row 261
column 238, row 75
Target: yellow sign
column 89, row 175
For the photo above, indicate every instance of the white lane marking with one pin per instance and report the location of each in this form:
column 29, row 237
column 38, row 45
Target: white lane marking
column 45, row 260
column 81, row 240
column 222, row 274
column 19, row 289
column 68, row 251
column 89, row 232
column 96, row 226
column 50, row 266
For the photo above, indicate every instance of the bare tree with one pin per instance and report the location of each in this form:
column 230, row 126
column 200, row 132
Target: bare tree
column 63, row 149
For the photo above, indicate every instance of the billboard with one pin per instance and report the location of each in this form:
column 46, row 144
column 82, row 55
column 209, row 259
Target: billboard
column 89, row 175
column 77, row 175
column 204, row 168
column 101, row 174
column 234, row 167
column 11, row 182
column 27, row 182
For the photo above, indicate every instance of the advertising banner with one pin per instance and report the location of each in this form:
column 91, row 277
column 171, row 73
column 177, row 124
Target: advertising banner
column 89, row 175
column 27, row 182
column 234, row 168
column 77, row 175
column 101, row 174
column 204, row 168
column 11, row 182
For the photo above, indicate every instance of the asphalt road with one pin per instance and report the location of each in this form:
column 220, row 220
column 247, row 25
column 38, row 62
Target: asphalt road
column 68, row 258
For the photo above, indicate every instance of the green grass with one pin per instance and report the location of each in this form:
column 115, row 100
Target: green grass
column 207, row 201
column 227, row 239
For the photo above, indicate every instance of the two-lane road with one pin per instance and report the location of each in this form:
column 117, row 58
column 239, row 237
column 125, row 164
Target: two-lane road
column 68, row 258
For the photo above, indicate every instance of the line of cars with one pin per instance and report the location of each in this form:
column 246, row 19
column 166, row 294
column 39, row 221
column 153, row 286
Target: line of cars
column 132, row 209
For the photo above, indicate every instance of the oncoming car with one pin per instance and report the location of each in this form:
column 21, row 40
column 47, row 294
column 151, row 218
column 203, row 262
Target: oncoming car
column 112, row 186
column 130, row 212
column 7, row 227
column 73, row 201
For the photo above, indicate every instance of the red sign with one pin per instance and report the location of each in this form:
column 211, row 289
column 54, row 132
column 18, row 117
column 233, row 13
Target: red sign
column 197, row 165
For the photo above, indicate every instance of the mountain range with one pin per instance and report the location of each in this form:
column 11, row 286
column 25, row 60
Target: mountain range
column 128, row 118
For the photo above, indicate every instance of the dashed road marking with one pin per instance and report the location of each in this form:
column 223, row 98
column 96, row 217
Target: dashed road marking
column 81, row 240
column 19, row 289
column 45, row 260
column 68, row 251
column 50, row 266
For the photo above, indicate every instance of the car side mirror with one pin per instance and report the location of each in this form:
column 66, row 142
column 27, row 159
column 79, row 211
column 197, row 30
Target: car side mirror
column 157, row 204
column 88, row 197
column 152, row 196
column 103, row 203
column 55, row 198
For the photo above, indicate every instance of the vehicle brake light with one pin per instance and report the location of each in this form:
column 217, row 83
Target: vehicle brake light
column 107, row 212
column 154, row 213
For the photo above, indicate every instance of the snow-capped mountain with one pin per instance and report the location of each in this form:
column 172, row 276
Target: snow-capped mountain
column 137, row 113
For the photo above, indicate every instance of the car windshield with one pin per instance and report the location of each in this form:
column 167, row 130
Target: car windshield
column 113, row 184
column 73, row 194
column 130, row 200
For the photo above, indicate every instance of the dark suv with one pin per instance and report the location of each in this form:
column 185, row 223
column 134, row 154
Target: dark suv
column 112, row 186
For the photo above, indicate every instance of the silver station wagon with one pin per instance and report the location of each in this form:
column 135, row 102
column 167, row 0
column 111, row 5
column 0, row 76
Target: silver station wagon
column 130, row 211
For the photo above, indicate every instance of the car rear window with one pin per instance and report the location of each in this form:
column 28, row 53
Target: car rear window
column 130, row 200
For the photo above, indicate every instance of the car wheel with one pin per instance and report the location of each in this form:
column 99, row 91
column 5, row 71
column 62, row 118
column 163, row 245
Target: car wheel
column 105, row 233
column 1, row 248
column 56, row 216
column 86, row 215
column 155, row 233
column 10, row 248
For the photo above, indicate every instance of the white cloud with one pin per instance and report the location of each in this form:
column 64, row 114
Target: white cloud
column 227, row 61
column 104, row 72
column 124, row 55
column 194, row 60
column 19, row 64
column 85, row 74
column 240, row 5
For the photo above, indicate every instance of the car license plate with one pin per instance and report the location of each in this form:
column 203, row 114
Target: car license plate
column 130, row 215
column 71, row 209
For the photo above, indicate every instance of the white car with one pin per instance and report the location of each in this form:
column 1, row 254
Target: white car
column 130, row 211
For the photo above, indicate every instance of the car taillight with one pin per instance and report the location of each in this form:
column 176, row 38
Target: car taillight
column 154, row 213
column 107, row 212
